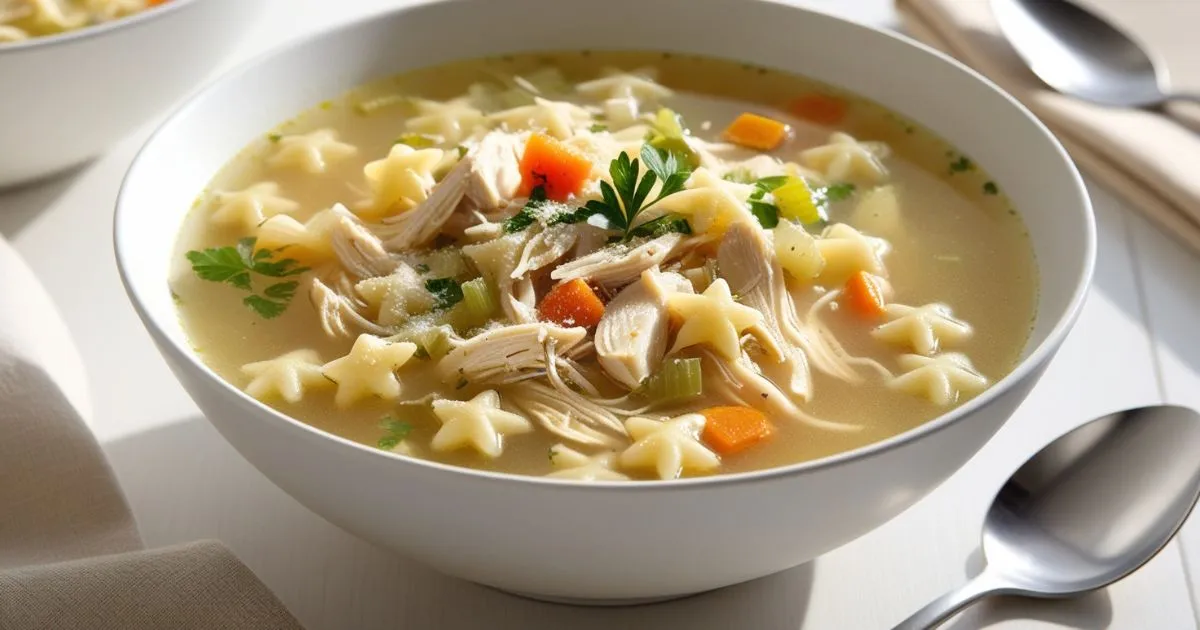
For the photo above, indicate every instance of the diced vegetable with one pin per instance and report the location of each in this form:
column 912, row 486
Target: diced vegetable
column 434, row 342
column 864, row 295
column 678, row 379
column 669, row 134
column 878, row 212
column 795, row 201
column 820, row 108
column 732, row 429
column 757, row 132
column 797, row 251
column 572, row 303
column 479, row 300
column 556, row 167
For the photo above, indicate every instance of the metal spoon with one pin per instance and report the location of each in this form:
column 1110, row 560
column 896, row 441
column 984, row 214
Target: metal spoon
column 1085, row 511
column 1079, row 53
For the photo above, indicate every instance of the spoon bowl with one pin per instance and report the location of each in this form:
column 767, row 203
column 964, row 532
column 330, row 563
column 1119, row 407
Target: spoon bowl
column 1081, row 54
column 1087, row 510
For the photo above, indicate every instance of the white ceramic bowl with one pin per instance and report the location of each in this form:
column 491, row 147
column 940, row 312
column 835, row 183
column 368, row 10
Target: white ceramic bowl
column 605, row 542
column 64, row 99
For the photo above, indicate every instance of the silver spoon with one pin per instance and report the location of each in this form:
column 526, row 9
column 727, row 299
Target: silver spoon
column 1087, row 510
column 1079, row 53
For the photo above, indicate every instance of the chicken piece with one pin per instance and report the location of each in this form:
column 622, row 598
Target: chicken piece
column 631, row 338
column 339, row 313
column 496, row 259
column 360, row 252
column 546, row 247
column 571, row 418
column 419, row 225
column 616, row 266
column 495, row 172
column 499, row 352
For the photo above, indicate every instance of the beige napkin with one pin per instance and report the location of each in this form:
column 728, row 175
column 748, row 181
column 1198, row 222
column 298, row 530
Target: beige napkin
column 1149, row 159
column 70, row 553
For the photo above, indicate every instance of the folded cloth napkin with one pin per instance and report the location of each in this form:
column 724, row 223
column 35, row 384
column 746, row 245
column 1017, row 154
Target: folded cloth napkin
column 1147, row 158
column 70, row 552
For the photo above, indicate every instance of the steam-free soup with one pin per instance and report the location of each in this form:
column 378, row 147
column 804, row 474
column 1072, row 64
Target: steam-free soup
column 23, row 19
column 605, row 266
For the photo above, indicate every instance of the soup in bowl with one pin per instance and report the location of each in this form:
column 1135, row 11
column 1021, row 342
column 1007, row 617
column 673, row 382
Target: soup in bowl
column 576, row 310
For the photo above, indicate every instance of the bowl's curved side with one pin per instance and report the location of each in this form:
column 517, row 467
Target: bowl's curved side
column 73, row 96
column 605, row 540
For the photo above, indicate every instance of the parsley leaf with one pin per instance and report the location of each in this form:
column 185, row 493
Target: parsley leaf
column 446, row 292
column 395, row 431
column 234, row 264
column 526, row 216
column 626, row 197
column 838, row 192
column 666, row 224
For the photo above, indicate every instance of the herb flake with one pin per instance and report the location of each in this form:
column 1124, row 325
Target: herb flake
column 235, row 264
column 395, row 432
column 446, row 292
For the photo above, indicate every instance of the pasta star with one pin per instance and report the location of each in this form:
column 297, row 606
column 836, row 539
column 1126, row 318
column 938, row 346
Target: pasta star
column 478, row 423
column 639, row 84
column 712, row 317
column 396, row 295
column 451, row 120
column 248, row 208
column 847, row 159
column 311, row 152
column 403, row 178
column 572, row 464
column 369, row 369
column 846, row 250
column 309, row 241
column 941, row 379
column 286, row 376
column 54, row 16
column 670, row 447
column 923, row 328
column 557, row 118
column 712, row 204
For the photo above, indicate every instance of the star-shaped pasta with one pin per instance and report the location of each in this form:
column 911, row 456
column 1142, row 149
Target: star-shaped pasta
column 286, row 376
column 369, row 369
column 670, row 447
column 711, row 204
column 308, row 241
column 556, row 118
column 250, row 207
column 639, row 84
column 451, row 121
column 571, row 464
column 712, row 317
column 925, row 329
column 478, row 423
column 396, row 295
column 402, row 179
column 311, row 152
column 54, row 16
column 846, row 251
column 941, row 379
column 847, row 159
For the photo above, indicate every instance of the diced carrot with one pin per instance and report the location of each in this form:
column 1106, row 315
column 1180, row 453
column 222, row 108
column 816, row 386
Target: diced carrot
column 572, row 303
column 556, row 167
column 820, row 108
column 154, row 3
column 864, row 295
column 729, row 430
column 756, row 132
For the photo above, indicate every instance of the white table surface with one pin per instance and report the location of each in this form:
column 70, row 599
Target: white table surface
column 185, row 483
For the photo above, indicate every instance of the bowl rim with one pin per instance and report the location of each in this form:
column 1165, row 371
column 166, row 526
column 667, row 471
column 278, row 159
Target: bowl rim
column 148, row 14
column 1025, row 368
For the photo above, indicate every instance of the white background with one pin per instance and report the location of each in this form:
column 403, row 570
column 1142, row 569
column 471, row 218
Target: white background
column 184, row 482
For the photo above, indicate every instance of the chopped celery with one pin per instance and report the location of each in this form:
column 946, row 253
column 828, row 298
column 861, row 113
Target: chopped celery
column 434, row 341
column 795, row 201
column 669, row 134
column 418, row 140
column 429, row 332
column 677, row 380
column 479, row 300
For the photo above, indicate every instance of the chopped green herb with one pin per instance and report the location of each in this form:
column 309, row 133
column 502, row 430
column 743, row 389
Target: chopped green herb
column 446, row 292
column 990, row 188
column 234, row 264
column 395, row 431
column 422, row 268
column 550, row 452
column 666, row 224
column 626, row 197
column 274, row 137
column 417, row 140
column 668, row 133
column 527, row 215
column 326, row 105
column 767, row 214
column 837, row 192
column 462, row 382
column 175, row 298
column 462, row 151
column 961, row 165
column 598, row 127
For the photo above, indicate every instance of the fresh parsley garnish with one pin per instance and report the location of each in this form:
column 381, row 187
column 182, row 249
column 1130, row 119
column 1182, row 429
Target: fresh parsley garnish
column 446, row 292
column 528, row 214
column 669, row 133
column 598, row 127
column 837, row 192
column 234, row 264
column 762, row 204
column 626, row 198
column 395, row 430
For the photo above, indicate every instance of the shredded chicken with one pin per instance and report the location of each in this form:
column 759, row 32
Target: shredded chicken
column 564, row 417
column 499, row 352
column 616, row 266
column 338, row 313
column 494, row 170
column 418, row 226
column 496, row 259
column 546, row 247
column 631, row 337
column 359, row 250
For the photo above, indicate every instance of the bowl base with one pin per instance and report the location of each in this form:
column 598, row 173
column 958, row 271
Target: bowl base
column 584, row 601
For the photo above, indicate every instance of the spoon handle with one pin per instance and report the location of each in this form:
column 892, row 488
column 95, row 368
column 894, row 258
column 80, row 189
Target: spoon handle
column 939, row 610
